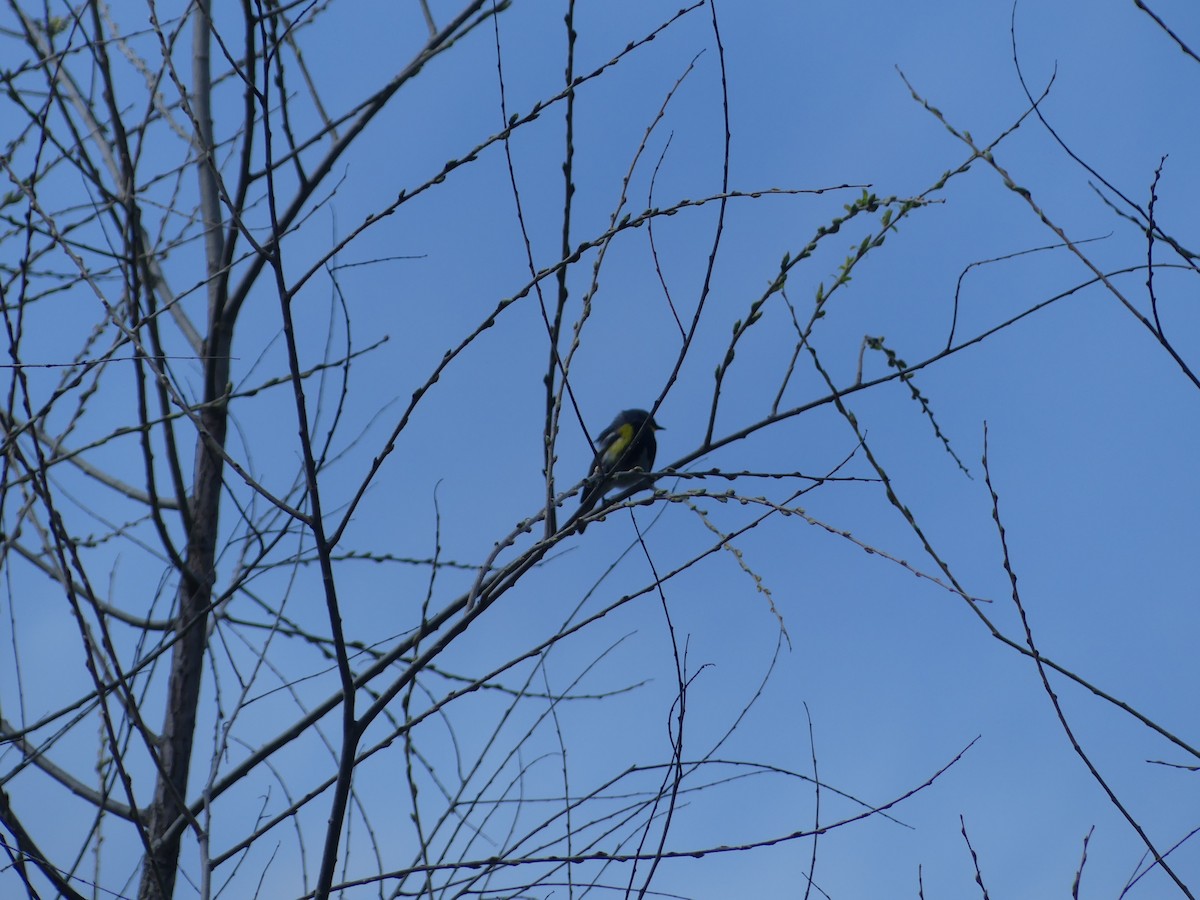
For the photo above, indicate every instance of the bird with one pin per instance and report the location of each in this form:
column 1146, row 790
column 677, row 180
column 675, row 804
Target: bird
column 624, row 455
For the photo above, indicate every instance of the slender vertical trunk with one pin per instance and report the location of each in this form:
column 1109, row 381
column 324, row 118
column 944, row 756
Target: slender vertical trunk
column 196, row 581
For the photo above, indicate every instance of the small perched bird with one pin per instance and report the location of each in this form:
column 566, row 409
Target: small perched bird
column 624, row 454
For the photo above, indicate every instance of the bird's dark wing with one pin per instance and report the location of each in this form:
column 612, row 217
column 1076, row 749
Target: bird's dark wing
column 610, row 446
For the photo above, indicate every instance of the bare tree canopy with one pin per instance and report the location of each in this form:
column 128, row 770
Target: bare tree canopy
column 325, row 573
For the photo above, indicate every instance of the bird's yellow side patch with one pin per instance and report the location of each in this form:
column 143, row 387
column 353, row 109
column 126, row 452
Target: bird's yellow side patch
column 624, row 438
